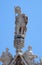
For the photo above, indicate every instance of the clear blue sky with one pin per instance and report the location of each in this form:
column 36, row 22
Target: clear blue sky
column 33, row 9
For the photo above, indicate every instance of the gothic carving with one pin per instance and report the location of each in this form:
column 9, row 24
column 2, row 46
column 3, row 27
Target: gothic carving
column 21, row 21
column 6, row 57
column 29, row 56
column 20, row 28
column 20, row 58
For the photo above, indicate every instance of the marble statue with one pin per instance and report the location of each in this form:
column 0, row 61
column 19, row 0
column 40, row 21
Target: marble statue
column 21, row 21
column 29, row 56
column 6, row 57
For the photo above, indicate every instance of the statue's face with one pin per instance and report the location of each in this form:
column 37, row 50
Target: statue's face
column 18, row 10
column 7, row 49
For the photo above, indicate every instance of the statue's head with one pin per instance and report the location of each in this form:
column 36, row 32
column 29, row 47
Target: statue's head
column 29, row 48
column 7, row 49
column 17, row 10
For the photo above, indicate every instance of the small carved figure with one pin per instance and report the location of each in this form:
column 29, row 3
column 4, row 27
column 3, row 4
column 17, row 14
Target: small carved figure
column 6, row 57
column 29, row 56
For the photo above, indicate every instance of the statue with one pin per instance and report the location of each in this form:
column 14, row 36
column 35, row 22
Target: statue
column 29, row 56
column 21, row 21
column 6, row 57
column 20, row 28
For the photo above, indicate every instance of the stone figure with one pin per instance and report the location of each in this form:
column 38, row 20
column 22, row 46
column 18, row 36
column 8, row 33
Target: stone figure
column 21, row 21
column 29, row 56
column 6, row 57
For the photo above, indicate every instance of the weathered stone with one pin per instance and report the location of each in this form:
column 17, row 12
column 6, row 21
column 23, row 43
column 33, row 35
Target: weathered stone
column 20, row 58
column 6, row 57
column 20, row 28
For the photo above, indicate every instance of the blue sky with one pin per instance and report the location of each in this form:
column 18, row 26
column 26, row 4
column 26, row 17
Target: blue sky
column 33, row 9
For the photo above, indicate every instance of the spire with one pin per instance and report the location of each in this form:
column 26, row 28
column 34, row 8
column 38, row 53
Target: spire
column 20, row 29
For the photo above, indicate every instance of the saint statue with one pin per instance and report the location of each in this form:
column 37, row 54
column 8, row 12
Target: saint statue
column 21, row 21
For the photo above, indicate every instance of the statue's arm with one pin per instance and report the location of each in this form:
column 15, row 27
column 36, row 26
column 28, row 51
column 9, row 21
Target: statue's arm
column 26, row 19
column 16, row 19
